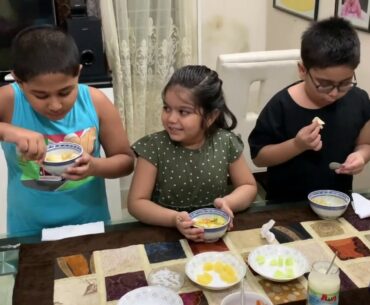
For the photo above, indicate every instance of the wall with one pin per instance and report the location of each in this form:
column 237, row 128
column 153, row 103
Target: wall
column 283, row 31
column 231, row 26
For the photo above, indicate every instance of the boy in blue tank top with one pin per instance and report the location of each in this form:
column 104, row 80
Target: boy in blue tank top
column 46, row 104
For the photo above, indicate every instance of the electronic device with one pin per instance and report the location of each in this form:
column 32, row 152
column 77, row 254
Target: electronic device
column 15, row 15
column 87, row 34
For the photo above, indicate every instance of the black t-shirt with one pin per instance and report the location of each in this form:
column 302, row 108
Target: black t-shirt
column 282, row 118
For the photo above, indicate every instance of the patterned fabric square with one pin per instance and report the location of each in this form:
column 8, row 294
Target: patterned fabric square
column 280, row 293
column 349, row 248
column 121, row 260
column 327, row 228
column 289, row 233
column 357, row 222
column 312, row 250
column 360, row 273
column 118, row 285
column 218, row 246
column 164, row 251
column 194, row 298
column 76, row 290
column 74, row 265
column 345, row 282
column 246, row 239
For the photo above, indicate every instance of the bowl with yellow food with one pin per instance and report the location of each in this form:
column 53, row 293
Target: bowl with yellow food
column 215, row 270
column 329, row 204
column 60, row 156
column 214, row 222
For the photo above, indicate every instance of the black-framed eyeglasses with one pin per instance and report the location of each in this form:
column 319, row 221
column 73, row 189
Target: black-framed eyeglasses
column 344, row 86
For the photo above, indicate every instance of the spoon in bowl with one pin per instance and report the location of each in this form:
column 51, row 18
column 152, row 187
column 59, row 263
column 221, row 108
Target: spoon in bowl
column 242, row 292
column 335, row 165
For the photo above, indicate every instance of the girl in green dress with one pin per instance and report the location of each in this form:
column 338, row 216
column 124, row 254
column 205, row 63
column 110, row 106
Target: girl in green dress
column 196, row 161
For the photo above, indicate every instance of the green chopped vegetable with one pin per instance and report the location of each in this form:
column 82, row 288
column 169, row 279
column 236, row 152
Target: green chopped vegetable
column 279, row 274
column 273, row 262
column 289, row 272
column 289, row 261
column 260, row 260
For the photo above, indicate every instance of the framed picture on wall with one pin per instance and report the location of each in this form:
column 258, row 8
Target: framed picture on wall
column 307, row 9
column 356, row 11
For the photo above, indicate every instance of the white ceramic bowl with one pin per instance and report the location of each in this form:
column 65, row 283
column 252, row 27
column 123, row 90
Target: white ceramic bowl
column 328, row 204
column 228, row 262
column 60, row 156
column 250, row 298
column 151, row 295
column 214, row 221
column 278, row 263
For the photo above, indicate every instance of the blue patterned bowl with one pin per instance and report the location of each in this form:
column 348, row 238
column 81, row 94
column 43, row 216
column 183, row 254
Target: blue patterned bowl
column 60, row 156
column 214, row 222
column 328, row 204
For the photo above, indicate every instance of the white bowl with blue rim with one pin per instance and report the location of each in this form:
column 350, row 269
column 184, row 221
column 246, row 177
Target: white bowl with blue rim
column 329, row 204
column 214, row 222
column 60, row 156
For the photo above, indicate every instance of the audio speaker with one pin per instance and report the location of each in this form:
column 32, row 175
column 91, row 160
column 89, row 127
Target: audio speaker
column 78, row 8
column 86, row 31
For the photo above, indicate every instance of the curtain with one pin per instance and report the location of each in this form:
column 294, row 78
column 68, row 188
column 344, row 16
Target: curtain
column 145, row 41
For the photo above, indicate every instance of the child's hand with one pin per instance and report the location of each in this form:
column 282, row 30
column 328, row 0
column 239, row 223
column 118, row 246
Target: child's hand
column 82, row 168
column 185, row 225
column 354, row 164
column 30, row 144
column 309, row 138
column 220, row 203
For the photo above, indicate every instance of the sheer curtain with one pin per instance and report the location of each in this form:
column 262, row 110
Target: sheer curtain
column 145, row 41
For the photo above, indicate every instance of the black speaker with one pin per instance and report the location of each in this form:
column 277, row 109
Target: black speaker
column 78, row 8
column 86, row 31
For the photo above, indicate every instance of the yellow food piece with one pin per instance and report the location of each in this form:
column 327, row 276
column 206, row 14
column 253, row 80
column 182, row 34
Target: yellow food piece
column 208, row 266
column 218, row 266
column 210, row 222
column 204, row 279
column 225, row 271
column 52, row 157
column 228, row 277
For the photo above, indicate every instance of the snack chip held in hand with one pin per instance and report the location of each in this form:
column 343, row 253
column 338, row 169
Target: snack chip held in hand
column 320, row 121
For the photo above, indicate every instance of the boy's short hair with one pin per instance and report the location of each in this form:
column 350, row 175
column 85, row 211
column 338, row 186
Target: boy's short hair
column 44, row 49
column 330, row 42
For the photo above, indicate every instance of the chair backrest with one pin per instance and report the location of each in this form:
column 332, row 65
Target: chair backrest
column 250, row 80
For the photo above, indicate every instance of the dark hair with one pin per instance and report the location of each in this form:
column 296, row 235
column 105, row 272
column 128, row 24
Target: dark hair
column 44, row 49
column 206, row 89
column 330, row 42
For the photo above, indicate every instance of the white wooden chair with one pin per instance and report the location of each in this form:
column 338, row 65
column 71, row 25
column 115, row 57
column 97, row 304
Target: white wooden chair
column 249, row 80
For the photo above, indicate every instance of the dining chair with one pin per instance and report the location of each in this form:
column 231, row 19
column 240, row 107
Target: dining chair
column 249, row 80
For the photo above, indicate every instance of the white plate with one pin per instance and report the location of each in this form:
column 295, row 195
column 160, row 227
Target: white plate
column 151, row 295
column 194, row 267
column 278, row 263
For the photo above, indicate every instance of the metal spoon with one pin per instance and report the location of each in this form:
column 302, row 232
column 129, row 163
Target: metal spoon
column 242, row 291
column 335, row 165
column 332, row 262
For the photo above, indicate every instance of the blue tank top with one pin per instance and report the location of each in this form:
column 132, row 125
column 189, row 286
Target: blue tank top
column 33, row 201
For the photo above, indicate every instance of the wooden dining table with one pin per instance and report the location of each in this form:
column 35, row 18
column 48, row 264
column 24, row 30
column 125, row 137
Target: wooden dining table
column 35, row 280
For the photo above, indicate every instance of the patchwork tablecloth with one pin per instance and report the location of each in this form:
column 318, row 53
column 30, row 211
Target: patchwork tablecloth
column 103, row 276
column 86, row 269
